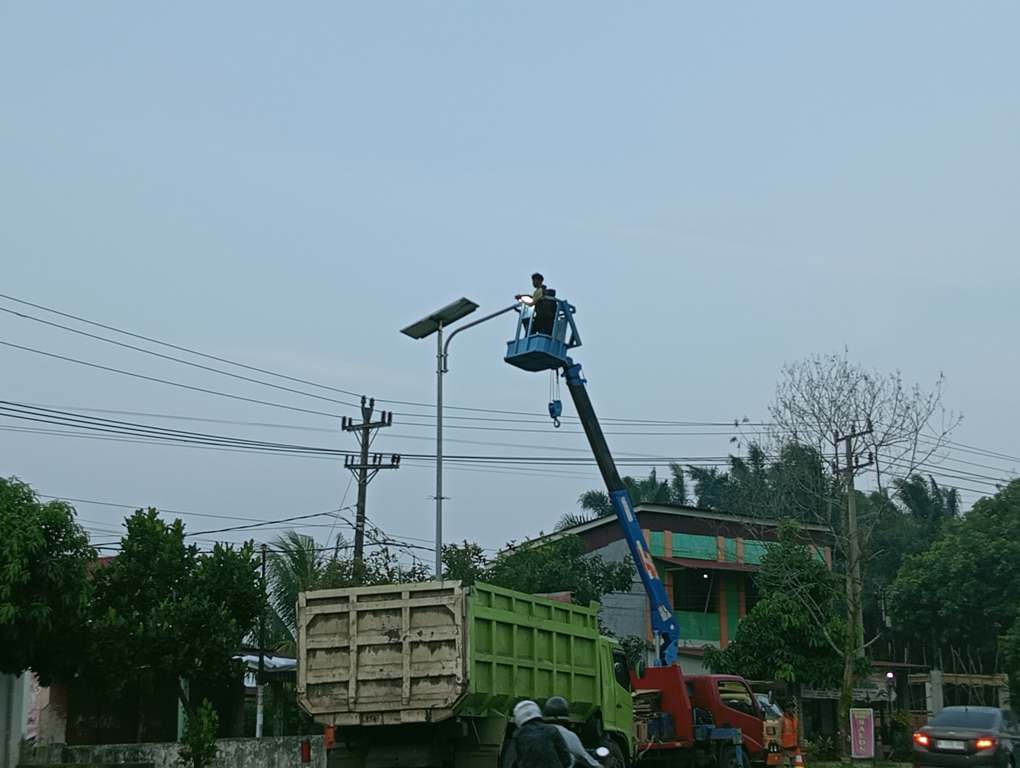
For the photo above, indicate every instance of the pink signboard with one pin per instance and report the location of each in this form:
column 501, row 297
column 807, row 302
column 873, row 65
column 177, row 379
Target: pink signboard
column 862, row 734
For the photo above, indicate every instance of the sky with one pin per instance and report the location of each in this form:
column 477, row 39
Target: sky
column 720, row 189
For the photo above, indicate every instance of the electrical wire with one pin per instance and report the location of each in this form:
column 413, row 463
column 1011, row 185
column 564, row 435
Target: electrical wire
column 19, row 411
column 168, row 382
column 294, row 379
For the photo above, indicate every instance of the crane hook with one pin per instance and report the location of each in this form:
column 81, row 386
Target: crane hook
column 555, row 410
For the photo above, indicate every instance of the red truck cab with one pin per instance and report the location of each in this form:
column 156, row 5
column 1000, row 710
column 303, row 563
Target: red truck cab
column 732, row 705
column 708, row 701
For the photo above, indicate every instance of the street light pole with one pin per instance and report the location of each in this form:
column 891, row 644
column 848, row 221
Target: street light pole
column 440, row 369
column 435, row 323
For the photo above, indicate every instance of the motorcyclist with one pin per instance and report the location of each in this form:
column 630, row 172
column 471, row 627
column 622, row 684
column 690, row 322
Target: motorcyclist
column 557, row 713
column 534, row 743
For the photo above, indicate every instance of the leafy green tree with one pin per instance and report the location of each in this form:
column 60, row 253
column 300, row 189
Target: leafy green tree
column 464, row 562
column 1011, row 650
column 560, row 566
column 198, row 746
column 595, row 503
column 379, row 567
column 44, row 587
column 964, row 589
column 900, row 525
column 795, row 632
column 164, row 611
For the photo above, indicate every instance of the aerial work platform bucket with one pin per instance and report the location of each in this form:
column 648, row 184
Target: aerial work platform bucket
column 543, row 339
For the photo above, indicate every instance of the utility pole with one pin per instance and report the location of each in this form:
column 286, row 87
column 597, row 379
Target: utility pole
column 261, row 683
column 366, row 468
column 854, row 583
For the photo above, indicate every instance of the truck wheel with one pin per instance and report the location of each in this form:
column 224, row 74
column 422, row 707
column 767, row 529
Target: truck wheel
column 616, row 758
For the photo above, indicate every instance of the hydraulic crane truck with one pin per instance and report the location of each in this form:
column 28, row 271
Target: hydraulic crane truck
column 711, row 720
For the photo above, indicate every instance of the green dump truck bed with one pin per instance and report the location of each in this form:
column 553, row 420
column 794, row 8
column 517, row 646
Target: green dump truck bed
column 419, row 653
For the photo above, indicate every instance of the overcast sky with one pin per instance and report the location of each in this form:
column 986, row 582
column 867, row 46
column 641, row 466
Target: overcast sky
column 718, row 189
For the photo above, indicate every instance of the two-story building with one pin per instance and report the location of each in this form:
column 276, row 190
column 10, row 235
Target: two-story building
column 706, row 559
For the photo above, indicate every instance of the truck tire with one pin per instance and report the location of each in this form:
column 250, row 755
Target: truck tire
column 616, row 758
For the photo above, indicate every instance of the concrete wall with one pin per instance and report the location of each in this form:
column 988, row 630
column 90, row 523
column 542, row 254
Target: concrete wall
column 282, row 752
column 623, row 613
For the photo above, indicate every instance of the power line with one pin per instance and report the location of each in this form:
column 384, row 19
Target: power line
column 169, row 382
column 188, row 350
column 160, row 355
column 268, row 522
column 19, row 411
column 325, row 430
column 258, row 522
column 930, row 463
column 286, row 377
column 492, row 465
column 166, row 510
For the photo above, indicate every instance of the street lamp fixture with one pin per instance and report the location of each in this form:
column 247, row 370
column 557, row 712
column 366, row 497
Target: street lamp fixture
column 435, row 323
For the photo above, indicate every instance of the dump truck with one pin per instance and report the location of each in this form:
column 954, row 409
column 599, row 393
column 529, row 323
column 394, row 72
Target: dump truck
column 426, row 675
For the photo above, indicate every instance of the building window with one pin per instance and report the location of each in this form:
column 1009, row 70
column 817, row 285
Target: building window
column 694, row 591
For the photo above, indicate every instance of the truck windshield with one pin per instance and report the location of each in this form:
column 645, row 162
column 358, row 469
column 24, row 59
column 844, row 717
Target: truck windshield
column 734, row 694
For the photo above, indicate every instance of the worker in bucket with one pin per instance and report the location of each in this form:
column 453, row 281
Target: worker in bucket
column 534, row 743
column 538, row 284
column 557, row 714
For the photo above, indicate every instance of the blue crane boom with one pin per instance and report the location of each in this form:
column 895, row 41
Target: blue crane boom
column 542, row 343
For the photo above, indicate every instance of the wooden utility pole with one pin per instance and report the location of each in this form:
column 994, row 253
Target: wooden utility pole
column 853, row 648
column 366, row 468
column 854, row 583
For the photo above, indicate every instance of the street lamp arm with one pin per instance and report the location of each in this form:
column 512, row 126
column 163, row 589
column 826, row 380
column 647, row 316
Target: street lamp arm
column 479, row 321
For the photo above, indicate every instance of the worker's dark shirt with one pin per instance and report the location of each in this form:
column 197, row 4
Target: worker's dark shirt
column 537, row 745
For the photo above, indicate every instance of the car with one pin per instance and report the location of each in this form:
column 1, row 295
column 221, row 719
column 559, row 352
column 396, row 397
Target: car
column 968, row 737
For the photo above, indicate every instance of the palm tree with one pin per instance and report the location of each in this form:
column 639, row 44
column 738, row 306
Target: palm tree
column 927, row 502
column 651, row 490
column 294, row 565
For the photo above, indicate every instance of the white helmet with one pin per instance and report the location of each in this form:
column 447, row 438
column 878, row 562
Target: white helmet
column 525, row 712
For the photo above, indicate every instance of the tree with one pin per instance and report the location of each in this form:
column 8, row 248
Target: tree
column 379, row 567
column 297, row 563
column 1011, row 650
column 198, row 745
column 961, row 593
column 44, row 587
column 294, row 565
column 901, row 525
column 794, row 483
column 164, row 611
column 465, row 563
column 827, row 403
column 651, row 490
column 929, row 504
column 560, row 566
column 794, row 633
